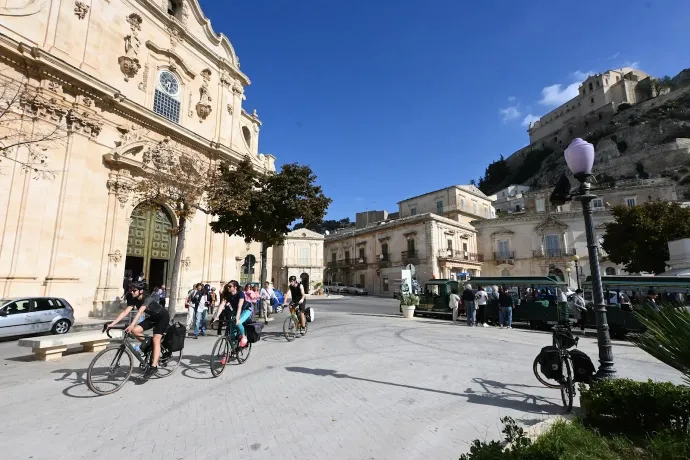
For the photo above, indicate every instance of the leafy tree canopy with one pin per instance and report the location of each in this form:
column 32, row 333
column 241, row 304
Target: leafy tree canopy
column 494, row 175
column 262, row 207
column 638, row 237
column 327, row 225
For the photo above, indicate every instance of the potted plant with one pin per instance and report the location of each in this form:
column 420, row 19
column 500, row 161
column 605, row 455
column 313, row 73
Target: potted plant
column 318, row 289
column 408, row 302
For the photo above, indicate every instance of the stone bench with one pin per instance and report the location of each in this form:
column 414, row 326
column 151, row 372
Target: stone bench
column 50, row 348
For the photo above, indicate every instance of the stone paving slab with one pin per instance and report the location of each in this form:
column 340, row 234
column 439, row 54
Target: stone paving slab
column 363, row 384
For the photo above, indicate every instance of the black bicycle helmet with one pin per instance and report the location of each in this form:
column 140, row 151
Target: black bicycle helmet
column 137, row 285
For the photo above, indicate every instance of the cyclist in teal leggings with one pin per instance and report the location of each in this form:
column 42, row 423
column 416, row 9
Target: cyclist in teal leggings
column 233, row 297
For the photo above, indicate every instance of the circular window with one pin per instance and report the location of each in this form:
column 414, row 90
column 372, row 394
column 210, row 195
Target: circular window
column 168, row 83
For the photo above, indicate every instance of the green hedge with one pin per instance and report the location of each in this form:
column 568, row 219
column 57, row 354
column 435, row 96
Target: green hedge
column 635, row 408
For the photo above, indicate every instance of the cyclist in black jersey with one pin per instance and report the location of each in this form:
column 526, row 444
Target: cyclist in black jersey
column 297, row 295
column 157, row 317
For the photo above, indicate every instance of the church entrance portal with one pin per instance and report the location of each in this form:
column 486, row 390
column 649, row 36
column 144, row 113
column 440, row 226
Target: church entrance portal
column 149, row 246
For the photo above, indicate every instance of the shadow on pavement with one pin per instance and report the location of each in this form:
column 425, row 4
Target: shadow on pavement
column 197, row 367
column 506, row 395
column 273, row 336
column 377, row 315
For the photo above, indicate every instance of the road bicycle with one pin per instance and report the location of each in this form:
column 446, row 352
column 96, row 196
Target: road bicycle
column 227, row 347
column 291, row 325
column 562, row 339
column 102, row 376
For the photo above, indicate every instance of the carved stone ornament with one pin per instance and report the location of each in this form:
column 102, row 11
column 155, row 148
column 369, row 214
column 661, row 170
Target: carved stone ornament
column 186, row 262
column 120, row 184
column 144, row 78
column 203, row 107
column 129, row 135
column 84, row 123
column 80, row 9
column 115, row 257
column 230, row 109
column 226, row 79
column 129, row 63
column 87, row 101
column 237, row 88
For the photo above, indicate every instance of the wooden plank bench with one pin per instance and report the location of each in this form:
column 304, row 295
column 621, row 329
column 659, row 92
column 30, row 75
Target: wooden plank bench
column 50, row 348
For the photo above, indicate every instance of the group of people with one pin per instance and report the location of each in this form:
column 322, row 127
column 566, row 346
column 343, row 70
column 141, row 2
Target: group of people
column 235, row 305
column 480, row 300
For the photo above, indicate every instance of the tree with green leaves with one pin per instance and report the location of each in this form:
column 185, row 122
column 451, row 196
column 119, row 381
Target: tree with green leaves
column 262, row 207
column 327, row 225
column 638, row 237
column 495, row 174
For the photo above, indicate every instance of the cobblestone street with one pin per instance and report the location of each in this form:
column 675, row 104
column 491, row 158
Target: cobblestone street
column 363, row 384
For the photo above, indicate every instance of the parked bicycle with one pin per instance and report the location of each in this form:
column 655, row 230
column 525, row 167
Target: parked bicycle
column 102, row 376
column 564, row 366
column 291, row 325
column 228, row 347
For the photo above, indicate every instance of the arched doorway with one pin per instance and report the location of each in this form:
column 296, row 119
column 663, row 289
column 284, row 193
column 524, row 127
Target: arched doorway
column 556, row 272
column 149, row 246
column 304, row 278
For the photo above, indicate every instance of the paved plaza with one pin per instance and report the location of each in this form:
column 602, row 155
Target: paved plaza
column 363, row 384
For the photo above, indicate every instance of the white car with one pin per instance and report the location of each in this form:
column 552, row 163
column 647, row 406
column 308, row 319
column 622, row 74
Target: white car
column 357, row 289
column 336, row 288
column 32, row 315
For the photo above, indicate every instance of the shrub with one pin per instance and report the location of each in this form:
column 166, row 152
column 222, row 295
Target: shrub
column 623, row 106
column 635, row 408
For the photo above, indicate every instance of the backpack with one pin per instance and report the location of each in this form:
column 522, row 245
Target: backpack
column 550, row 363
column 253, row 331
column 583, row 367
column 174, row 337
column 309, row 314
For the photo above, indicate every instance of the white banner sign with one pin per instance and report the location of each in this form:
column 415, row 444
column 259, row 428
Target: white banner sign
column 406, row 282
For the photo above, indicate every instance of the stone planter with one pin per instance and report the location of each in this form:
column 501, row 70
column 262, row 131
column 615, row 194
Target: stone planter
column 408, row 311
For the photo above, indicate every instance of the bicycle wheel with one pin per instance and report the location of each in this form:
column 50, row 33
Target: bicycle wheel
column 242, row 353
column 290, row 328
column 220, row 356
column 167, row 363
column 567, row 386
column 109, row 370
column 537, row 373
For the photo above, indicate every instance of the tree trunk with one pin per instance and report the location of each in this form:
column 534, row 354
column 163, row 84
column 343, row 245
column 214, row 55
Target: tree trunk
column 264, row 258
column 179, row 247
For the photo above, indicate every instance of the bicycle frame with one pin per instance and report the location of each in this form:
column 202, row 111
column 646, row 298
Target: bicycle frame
column 124, row 343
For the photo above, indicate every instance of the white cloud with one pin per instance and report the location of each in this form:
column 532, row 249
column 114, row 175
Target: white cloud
column 529, row 119
column 510, row 113
column 581, row 76
column 633, row 64
column 512, row 99
column 614, row 56
column 556, row 95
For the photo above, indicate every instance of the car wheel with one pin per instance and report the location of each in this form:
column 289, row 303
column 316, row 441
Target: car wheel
column 61, row 327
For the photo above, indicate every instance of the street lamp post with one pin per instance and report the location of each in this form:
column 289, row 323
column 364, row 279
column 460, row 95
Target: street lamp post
column 580, row 158
column 576, row 259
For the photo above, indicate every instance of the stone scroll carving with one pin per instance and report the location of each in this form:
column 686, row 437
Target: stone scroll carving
column 25, row 8
column 203, row 107
column 81, row 9
column 129, row 63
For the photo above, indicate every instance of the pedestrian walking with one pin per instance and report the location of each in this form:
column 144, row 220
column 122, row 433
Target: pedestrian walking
column 198, row 301
column 454, row 303
column 506, row 303
column 162, row 294
column 190, row 308
column 213, row 301
column 483, row 305
column 268, row 296
column 579, row 310
column 468, row 303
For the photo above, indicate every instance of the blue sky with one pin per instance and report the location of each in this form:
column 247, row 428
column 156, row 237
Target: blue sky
column 388, row 99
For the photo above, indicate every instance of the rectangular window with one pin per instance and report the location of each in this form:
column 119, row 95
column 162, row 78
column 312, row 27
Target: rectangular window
column 540, row 205
column 503, row 249
column 439, row 207
column 333, row 257
column 597, row 203
column 413, row 211
column 464, row 247
column 385, row 285
column 166, row 105
column 410, row 245
column 303, row 256
column 384, row 250
column 362, row 280
column 449, row 243
column 630, row 201
column 361, row 253
column 552, row 245
column 347, row 255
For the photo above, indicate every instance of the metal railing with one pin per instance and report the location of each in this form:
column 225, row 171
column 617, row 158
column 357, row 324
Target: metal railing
column 504, row 256
column 450, row 254
column 409, row 255
column 553, row 253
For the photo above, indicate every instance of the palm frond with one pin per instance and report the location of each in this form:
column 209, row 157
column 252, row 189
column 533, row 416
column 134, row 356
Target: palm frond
column 667, row 337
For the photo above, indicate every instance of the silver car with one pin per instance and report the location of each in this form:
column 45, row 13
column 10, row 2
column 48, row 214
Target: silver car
column 33, row 315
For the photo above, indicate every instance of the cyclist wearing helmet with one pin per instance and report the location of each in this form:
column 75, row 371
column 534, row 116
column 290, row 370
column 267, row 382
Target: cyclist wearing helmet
column 297, row 295
column 157, row 318
column 233, row 297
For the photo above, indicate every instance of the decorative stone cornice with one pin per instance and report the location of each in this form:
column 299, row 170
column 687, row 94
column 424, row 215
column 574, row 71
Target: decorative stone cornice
column 170, row 53
column 409, row 234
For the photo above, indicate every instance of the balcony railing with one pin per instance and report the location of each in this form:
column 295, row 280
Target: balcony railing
column 361, row 261
column 409, row 255
column 383, row 260
column 504, row 257
column 345, row 262
column 308, row 262
column 449, row 254
column 332, row 264
column 553, row 253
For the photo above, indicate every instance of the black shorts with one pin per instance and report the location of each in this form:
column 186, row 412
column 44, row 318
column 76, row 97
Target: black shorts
column 159, row 323
column 302, row 306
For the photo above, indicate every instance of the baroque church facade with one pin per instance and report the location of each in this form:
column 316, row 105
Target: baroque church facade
column 131, row 81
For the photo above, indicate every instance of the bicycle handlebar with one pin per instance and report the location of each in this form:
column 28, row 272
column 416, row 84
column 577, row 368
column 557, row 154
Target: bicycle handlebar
column 107, row 329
